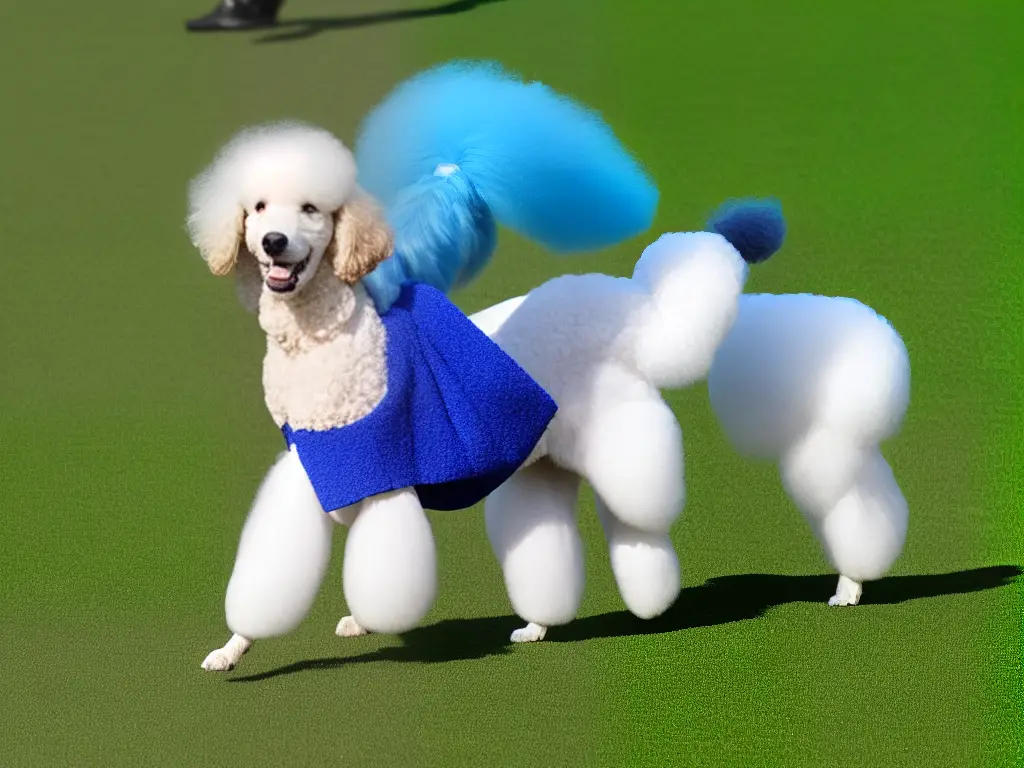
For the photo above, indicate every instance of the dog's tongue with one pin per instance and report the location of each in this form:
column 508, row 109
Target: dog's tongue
column 279, row 273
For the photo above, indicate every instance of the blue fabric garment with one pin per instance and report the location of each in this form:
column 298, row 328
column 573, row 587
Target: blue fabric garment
column 459, row 417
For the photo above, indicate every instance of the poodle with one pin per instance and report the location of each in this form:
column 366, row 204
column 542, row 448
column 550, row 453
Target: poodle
column 369, row 371
column 388, row 398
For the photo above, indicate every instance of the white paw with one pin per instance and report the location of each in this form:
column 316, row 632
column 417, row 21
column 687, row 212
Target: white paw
column 349, row 627
column 531, row 633
column 848, row 592
column 218, row 661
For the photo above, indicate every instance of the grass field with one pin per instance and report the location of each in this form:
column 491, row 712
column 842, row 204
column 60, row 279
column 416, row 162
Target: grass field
column 135, row 433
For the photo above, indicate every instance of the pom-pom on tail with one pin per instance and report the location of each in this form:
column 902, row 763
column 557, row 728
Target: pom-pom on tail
column 542, row 164
column 755, row 228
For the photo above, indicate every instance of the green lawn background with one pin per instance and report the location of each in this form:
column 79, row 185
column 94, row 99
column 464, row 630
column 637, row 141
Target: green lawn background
column 135, row 432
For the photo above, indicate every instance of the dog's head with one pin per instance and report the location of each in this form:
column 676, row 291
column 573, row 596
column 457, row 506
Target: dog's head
column 277, row 200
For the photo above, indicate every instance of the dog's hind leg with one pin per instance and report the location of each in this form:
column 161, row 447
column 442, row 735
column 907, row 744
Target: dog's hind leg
column 633, row 458
column 645, row 565
column 532, row 529
column 865, row 533
column 282, row 558
column 390, row 569
column 855, row 508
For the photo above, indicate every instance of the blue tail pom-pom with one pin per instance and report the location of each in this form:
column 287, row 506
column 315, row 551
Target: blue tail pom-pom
column 755, row 228
column 545, row 166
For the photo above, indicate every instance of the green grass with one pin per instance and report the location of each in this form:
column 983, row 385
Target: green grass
column 135, row 434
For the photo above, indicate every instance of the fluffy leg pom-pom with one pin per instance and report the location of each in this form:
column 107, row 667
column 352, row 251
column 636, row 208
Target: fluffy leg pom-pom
column 633, row 458
column 864, row 534
column 282, row 557
column 531, row 525
column 390, row 568
column 645, row 565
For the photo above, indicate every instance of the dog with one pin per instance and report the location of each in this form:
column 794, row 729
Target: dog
column 389, row 398
column 323, row 260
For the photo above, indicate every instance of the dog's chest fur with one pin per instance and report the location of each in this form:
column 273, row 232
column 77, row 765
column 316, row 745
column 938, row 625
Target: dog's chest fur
column 325, row 365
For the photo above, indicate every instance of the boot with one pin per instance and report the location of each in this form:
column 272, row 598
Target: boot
column 237, row 14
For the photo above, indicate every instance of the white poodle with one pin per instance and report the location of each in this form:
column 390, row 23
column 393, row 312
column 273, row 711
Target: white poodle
column 390, row 400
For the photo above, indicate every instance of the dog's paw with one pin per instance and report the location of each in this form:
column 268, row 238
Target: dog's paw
column 218, row 661
column 349, row 627
column 848, row 592
column 531, row 633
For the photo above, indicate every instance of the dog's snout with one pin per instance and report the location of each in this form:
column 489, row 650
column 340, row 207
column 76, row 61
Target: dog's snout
column 274, row 243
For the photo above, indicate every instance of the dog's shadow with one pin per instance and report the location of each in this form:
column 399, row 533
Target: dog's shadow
column 719, row 601
column 300, row 29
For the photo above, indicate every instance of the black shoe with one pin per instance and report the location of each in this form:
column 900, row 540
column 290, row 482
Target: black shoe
column 237, row 14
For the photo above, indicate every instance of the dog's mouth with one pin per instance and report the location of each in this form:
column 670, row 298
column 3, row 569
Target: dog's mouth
column 282, row 278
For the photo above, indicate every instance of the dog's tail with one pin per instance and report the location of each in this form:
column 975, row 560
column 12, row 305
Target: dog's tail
column 461, row 147
column 695, row 280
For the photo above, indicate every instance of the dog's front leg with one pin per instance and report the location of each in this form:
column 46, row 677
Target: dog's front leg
column 223, row 659
column 390, row 568
column 348, row 626
column 282, row 559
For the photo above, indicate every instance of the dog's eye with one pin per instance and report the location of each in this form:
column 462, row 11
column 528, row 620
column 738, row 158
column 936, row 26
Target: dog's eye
column 260, row 206
column 309, row 208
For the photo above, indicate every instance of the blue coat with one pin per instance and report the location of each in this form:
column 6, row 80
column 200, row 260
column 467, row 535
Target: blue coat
column 459, row 417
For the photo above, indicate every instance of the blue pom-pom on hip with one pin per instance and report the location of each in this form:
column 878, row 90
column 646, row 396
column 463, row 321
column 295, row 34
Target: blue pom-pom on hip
column 755, row 228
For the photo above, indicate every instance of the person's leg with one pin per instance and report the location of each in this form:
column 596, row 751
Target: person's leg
column 237, row 14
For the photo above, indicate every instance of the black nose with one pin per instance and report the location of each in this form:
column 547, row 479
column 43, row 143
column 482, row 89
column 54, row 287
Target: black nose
column 274, row 243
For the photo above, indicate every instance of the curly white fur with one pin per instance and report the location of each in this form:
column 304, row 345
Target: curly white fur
column 325, row 362
column 817, row 383
column 261, row 179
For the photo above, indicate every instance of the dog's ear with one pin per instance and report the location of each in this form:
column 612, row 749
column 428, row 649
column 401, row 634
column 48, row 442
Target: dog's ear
column 219, row 238
column 216, row 217
column 362, row 238
column 226, row 245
